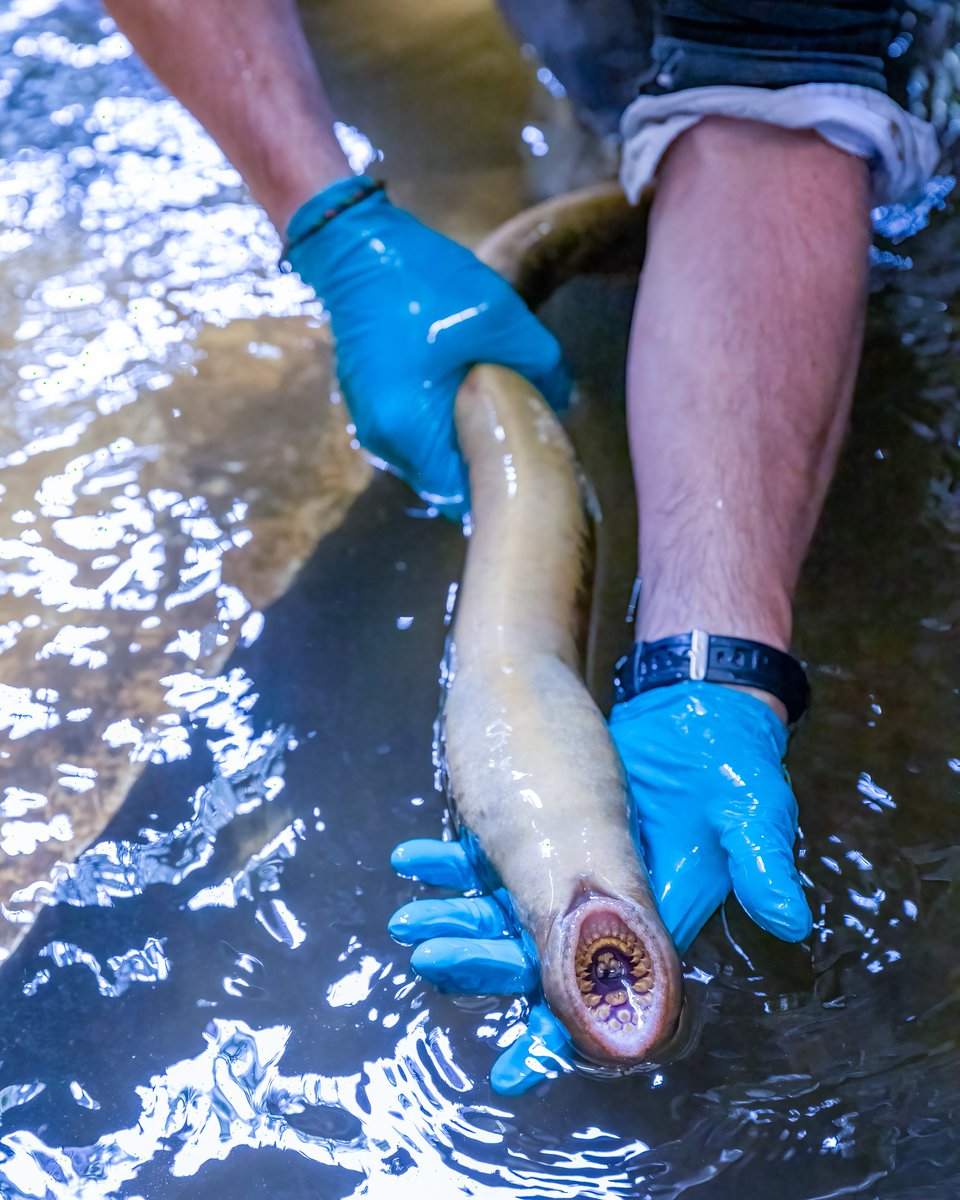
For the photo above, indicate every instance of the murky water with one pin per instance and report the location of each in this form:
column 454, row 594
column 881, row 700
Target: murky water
column 207, row 1000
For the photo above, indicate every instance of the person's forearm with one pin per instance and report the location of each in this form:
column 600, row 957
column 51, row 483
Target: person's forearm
column 744, row 352
column 243, row 68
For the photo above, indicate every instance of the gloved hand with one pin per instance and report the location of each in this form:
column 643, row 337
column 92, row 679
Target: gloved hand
column 411, row 312
column 473, row 944
column 712, row 806
column 712, row 809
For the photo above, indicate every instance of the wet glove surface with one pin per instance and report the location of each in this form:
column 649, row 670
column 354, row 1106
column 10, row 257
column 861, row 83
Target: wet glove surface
column 472, row 944
column 712, row 811
column 712, row 806
column 411, row 312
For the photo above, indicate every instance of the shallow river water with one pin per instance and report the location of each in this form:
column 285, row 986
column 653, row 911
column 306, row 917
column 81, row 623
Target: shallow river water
column 220, row 633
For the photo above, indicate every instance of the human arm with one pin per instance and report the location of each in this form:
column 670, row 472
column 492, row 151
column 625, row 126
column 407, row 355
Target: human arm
column 245, row 71
column 411, row 310
column 743, row 356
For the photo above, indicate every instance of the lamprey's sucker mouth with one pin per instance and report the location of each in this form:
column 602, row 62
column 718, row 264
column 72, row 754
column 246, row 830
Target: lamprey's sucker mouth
column 614, row 978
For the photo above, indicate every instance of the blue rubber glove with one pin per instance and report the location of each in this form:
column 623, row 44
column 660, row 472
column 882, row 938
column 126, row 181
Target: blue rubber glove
column 411, row 312
column 473, row 944
column 713, row 808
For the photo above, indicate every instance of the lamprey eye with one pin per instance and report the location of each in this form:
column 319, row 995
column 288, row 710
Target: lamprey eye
column 613, row 971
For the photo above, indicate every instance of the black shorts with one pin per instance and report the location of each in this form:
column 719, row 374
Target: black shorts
column 606, row 52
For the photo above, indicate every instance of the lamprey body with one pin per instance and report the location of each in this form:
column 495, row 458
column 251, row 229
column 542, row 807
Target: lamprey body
column 533, row 773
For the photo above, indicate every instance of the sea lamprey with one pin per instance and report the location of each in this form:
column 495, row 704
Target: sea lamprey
column 533, row 773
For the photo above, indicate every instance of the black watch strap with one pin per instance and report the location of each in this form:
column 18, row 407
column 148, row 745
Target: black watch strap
column 710, row 657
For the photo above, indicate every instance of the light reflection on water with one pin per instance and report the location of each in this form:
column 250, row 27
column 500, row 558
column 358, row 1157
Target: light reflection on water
column 144, row 331
column 408, row 1128
column 169, row 462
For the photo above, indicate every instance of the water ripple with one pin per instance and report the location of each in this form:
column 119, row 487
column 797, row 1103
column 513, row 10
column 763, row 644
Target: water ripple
column 408, row 1129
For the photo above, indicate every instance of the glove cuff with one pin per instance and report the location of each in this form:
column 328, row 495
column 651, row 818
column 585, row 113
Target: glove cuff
column 714, row 658
column 321, row 209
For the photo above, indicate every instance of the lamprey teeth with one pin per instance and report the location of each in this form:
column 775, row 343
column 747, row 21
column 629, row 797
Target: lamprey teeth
column 614, row 974
column 608, row 965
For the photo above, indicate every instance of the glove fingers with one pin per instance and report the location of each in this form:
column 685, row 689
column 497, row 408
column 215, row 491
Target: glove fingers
column 440, row 477
column 443, row 864
column 415, row 434
column 766, row 881
column 541, row 1052
column 475, row 965
column 687, row 902
column 689, row 881
column 478, row 917
column 440, row 474
column 411, row 429
column 526, row 347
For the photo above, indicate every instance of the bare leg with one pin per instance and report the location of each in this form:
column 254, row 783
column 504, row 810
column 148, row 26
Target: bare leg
column 743, row 356
column 243, row 68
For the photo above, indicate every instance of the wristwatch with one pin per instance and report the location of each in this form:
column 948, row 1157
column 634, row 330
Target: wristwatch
column 714, row 658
